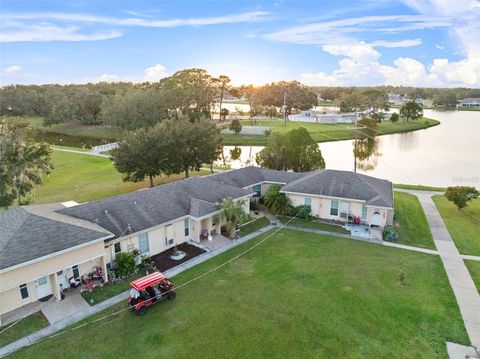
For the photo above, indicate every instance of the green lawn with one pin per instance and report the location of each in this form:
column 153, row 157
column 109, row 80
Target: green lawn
column 296, row 295
column 298, row 222
column 419, row 187
column 474, row 269
column 322, row 132
column 83, row 178
column 26, row 326
column 412, row 227
column 464, row 226
column 253, row 226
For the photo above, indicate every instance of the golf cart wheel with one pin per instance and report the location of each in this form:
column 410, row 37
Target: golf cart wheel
column 141, row 311
column 172, row 295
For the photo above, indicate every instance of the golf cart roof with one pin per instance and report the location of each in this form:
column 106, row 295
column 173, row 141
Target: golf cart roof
column 147, row 281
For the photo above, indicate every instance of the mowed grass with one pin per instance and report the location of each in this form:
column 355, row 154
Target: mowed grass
column 296, row 295
column 413, row 229
column 253, row 226
column 419, row 187
column 313, row 224
column 323, row 132
column 474, row 269
column 84, row 178
column 28, row 325
column 464, row 225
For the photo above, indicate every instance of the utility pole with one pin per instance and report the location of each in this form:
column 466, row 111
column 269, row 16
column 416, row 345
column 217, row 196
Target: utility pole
column 285, row 107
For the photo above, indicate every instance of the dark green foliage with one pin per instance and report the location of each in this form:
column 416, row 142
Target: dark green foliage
column 394, row 117
column 235, row 126
column 389, row 234
column 278, row 202
column 460, row 195
column 303, row 211
column 411, row 111
column 124, row 264
column 294, row 150
column 22, row 162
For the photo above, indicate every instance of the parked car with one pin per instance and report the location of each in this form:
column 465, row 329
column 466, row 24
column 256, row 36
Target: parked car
column 149, row 290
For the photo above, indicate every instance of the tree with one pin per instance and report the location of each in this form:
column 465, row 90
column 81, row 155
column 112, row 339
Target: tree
column 376, row 101
column 461, row 195
column 277, row 201
column 223, row 81
column 295, row 150
column 297, row 95
column 394, row 117
column 235, row 126
column 141, row 154
column 22, row 162
column 232, row 212
column 411, row 111
column 124, row 264
column 345, row 107
column 223, row 114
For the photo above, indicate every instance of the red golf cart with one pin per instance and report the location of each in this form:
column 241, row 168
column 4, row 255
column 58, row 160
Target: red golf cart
column 149, row 290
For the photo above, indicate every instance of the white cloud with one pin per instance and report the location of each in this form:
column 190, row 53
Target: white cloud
column 401, row 43
column 155, row 73
column 12, row 69
column 111, row 78
column 71, row 27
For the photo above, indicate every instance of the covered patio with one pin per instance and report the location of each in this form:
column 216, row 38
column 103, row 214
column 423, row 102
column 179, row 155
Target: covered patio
column 216, row 242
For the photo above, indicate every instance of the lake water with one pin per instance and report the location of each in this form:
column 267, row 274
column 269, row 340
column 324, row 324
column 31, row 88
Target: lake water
column 444, row 155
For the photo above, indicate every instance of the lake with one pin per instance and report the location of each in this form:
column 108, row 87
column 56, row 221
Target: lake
column 444, row 155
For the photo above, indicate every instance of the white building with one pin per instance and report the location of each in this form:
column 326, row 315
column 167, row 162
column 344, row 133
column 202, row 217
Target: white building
column 322, row 117
column 469, row 102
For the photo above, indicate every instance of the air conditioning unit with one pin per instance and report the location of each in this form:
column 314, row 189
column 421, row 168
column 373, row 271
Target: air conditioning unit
column 344, row 215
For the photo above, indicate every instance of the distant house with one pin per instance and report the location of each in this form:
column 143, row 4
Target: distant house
column 470, row 102
column 43, row 246
column 316, row 116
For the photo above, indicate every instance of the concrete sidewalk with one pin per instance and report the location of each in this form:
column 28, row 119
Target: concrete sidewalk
column 462, row 284
column 65, row 322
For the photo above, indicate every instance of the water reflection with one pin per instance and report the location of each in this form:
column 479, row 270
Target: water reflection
column 367, row 153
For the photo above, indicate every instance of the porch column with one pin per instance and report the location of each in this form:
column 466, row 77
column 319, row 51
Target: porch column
column 55, row 286
column 103, row 265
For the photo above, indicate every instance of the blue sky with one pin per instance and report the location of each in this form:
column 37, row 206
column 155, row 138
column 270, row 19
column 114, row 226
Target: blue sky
column 409, row 42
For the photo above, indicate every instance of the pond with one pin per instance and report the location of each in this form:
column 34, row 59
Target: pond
column 69, row 140
column 444, row 155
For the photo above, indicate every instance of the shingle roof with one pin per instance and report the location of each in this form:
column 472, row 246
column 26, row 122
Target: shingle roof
column 251, row 175
column 196, row 196
column 345, row 184
column 32, row 232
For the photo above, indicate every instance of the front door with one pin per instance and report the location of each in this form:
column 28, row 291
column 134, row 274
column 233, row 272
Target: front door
column 376, row 219
column 44, row 287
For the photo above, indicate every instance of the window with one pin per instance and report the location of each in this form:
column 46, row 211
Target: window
column 117, row 247
column 143, row 246
column 42, row 281
column 307, row 201
column 364, row 212
column 24, row 291
column 258, row 190
column 76, row 272
column 168, row 242
column 334, row 208
column 186, row 226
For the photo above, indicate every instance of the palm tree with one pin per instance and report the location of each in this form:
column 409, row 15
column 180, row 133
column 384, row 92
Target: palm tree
column 232, row 212
column 278, row 202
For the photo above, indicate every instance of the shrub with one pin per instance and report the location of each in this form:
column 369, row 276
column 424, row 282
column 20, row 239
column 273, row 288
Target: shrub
column 389, row 234
column 394, row 117
column 125, row 264
column 461, row 195
column 303, row 211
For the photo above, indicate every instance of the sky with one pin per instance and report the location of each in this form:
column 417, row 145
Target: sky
column 424, row 43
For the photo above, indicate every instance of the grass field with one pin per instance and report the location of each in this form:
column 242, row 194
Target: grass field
column 296, row 295
column 413, row 228
column 298, row 222
column 474, row 269
column 86, row 178
column 253, row 226
column 418, row 187
column 322, row 132
column 464, row 225
column 26, row 326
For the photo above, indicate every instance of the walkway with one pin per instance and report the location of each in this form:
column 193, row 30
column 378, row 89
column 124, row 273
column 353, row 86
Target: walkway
column 90, row 310
column 462, row 284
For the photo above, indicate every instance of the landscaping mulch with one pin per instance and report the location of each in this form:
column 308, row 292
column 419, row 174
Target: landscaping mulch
column 164, row 262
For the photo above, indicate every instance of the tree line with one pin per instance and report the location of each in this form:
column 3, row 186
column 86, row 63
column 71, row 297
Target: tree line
column 190, row 92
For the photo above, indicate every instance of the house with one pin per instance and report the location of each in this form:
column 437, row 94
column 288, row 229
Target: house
column 322, row 117
column 43, row 246
column 469, row 103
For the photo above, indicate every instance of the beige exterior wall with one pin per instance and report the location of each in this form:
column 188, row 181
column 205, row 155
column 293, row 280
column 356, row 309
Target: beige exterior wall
column 10, row 281
column 321, row 208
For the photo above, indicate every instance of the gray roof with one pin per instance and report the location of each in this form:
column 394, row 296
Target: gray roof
column 137, row 211
column 32, row 232
column 251, row 175
column 345, row 184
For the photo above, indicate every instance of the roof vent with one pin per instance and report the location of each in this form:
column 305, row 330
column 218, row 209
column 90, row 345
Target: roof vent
column 106, row 212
